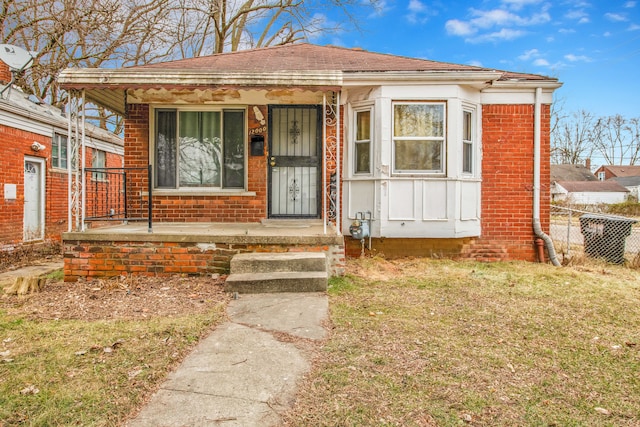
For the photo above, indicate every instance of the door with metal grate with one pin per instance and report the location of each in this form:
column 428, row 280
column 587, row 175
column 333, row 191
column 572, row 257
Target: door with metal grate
column 294, row 161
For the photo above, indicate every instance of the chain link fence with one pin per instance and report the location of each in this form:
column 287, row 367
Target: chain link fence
column 590, row 233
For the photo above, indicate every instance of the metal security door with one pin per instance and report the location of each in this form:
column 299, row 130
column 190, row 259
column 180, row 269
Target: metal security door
column 33, row 191
column 294, row 161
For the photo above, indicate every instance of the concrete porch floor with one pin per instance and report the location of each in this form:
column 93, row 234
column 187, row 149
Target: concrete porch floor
column 266, row 232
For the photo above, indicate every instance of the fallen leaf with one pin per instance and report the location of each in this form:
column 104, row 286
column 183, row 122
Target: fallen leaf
column 30, row 390
column 467, row 418
column 602, row 411
column 7, row 360
column 5, row 353
column 81, row 353
column 107, row 350
column 134, row 373
column 630, row 344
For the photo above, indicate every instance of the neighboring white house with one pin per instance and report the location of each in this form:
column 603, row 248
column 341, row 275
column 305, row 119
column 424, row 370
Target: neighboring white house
column 631, row 183
column 589, row 192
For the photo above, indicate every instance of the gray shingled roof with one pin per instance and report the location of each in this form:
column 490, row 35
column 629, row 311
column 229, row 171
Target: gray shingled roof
column 571, row 173
column 309, row 57
column 592, row 186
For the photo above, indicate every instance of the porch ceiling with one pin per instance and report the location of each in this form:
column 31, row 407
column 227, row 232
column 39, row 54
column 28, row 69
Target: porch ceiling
column 108, row 87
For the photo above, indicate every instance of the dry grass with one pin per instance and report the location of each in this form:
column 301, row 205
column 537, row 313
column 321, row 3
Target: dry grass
column 89, row 354
column 422, row 343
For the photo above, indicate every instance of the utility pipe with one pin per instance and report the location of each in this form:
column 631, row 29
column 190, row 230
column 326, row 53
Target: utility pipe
column 537, row 228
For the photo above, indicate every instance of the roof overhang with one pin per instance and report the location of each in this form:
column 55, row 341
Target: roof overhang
column 108, row 87
column 479, row 79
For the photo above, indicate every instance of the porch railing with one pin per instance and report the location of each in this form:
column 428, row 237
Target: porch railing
column 115, row 194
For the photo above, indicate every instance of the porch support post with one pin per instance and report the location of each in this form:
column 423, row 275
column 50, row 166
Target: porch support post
column 324, row 162
column 84, row 156
column 74, row 154
column 338, row 165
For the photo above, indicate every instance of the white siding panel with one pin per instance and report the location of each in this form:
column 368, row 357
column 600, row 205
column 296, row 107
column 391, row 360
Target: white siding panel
column 469, row 200
column 402, row 200
column 361, row 197
column 434, row 200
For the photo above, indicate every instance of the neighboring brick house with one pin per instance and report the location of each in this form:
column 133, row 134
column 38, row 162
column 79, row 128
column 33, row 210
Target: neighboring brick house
column 448, row 159
column 606, row 172
column 33, row 167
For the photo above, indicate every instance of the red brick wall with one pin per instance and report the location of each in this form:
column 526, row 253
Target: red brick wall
column 5, row 73
column 507, row 182
column 93, row 259
column 196, row 208
column 15, row 144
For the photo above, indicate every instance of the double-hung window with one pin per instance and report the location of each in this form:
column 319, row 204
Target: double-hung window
column 362, row 149
column 418, row 137
column 199, row 148
column 98, row 160
column 59, row 155
column 467, row 141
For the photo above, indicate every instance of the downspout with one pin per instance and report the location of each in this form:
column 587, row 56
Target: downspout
column 537, row 228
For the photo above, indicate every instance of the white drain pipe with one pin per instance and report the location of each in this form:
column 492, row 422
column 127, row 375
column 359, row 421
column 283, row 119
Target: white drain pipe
column 537, row 228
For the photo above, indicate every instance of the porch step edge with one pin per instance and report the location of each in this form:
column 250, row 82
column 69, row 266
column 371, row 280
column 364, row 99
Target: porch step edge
column 284, row 281
column 278, row 262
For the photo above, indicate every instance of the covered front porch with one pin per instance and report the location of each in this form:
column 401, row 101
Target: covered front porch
column 192, row 248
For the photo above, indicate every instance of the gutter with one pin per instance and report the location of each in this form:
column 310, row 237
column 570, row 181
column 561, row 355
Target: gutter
column 537, row 228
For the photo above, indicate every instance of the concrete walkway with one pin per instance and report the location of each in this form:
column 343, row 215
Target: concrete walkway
column 246, row 371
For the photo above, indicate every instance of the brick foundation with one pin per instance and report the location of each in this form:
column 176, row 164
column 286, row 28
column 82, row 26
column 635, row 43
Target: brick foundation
column 100, row 259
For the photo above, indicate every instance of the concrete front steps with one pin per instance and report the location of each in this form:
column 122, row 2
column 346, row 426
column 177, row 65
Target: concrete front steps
column 278, row 272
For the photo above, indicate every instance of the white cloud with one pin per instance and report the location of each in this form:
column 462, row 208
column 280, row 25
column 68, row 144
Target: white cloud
column 475, row 63
column 615, row 17
column 633, row 27
column 503, row 34
column 577, row 58
column 418, row 12
column 519, row 4
column 566, row 31
column 458, row 28
column 541, row 62
column 503, row 21
column 579, row 15
column 531, row 53
column 630, row 4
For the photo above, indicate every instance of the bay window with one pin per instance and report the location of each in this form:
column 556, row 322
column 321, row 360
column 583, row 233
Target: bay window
column 199, row 148
column 362, row 147
column 467, row 141
column 418, row 137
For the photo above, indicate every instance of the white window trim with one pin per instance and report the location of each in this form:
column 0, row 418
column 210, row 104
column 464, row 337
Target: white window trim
column 54, row 141
column 466, row 108
column 203, row 191
column 354, row 136
column 444, row 141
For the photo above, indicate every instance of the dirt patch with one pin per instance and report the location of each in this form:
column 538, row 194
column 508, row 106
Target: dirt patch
column 119, row 299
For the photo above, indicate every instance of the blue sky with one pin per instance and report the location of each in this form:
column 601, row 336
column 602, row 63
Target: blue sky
column 593, row 47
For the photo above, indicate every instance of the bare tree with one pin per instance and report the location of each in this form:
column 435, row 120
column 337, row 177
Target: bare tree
column 571, row 137
column 116, row 33
column 617, row 139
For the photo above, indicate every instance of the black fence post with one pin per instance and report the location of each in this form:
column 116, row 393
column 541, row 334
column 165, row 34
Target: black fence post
column 150, row 181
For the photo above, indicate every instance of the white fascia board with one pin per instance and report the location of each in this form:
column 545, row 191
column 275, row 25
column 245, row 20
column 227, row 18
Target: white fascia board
column 77, row 78
column 480, row 79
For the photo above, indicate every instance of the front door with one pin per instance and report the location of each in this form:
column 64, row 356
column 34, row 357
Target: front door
column 33, row 200
column 295, row 161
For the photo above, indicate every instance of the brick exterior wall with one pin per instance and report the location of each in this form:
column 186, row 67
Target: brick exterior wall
column 507, row 183
column 99, row 259
column 15, row 144
column 5, row 73
column 196, row 208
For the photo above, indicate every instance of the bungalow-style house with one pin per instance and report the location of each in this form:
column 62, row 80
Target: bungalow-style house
column 589, row 192
column 606, row 172
column 34, row 167
column 631, row 183
column 284, row 148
